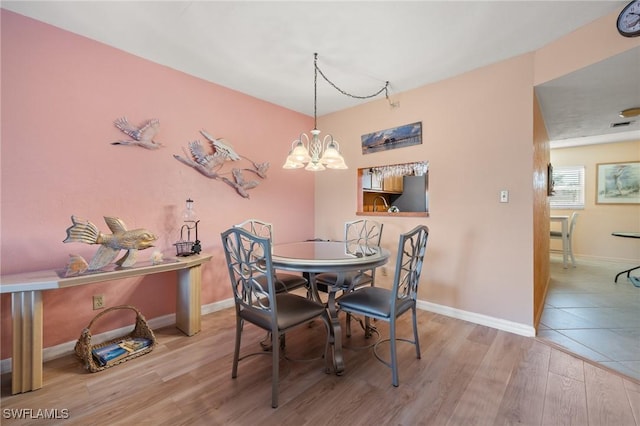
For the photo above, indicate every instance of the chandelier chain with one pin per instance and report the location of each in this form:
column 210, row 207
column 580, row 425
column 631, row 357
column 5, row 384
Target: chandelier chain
column 315, row 153
column 318, row 70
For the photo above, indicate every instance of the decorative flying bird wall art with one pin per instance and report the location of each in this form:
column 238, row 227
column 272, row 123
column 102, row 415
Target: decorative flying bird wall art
column 83, row 231
column 140, row 136
column 211, row 163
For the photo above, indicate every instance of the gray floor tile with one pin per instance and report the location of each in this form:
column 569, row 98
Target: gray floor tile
column 616, row 344
column 573, row 346
column 593, row 317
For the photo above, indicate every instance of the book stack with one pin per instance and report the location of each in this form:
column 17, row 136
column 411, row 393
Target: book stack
column 113, row 352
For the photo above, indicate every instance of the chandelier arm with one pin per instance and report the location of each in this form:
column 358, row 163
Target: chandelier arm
column 318, row 153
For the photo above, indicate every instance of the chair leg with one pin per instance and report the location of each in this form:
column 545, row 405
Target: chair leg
column 275, row 368
column 328, row 363
column 573, row 259
column 394, row 354
column 266, row 342
column 367, row 327
column 236, row 351
column 415, row 333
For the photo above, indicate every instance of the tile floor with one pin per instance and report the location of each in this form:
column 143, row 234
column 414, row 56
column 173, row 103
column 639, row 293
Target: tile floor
column 593, row 317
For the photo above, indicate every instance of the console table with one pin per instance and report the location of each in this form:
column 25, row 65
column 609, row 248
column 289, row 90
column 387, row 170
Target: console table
column 27, row 310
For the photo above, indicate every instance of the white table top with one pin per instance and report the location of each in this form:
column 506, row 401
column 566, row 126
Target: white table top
column 320, row 256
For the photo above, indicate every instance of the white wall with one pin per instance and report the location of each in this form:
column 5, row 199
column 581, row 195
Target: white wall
column 592, row 237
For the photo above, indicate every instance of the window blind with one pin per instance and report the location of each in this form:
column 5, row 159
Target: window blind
column 568, row 188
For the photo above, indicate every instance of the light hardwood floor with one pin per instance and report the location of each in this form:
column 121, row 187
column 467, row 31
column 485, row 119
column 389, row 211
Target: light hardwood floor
column 593, row 317
column 468, row 374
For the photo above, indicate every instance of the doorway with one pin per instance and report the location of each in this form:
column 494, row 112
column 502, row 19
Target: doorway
column 589, row 315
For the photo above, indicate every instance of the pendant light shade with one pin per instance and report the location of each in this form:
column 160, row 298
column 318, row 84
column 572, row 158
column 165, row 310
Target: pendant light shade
column 319, row 154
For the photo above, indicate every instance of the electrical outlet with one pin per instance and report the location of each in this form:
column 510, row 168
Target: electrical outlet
column 98, row 301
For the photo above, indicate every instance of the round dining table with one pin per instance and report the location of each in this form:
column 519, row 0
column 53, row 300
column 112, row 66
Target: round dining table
column 627, row 271
column 346, row 259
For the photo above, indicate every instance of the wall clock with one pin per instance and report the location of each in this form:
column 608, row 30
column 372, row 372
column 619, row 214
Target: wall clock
column 629, row 20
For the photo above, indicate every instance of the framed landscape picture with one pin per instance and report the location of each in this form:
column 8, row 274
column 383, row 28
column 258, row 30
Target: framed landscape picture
column 618, row 183
column 398, row 137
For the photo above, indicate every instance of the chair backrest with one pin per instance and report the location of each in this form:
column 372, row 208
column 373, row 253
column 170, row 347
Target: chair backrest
column 363, row 232
column 249, row 262
column 257, row 227
column 572, row 222
column 411, row 249
column 360, row 234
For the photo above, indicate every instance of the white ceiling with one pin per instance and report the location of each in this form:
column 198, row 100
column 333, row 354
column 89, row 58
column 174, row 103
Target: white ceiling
column 265, row 48
column 581, row 107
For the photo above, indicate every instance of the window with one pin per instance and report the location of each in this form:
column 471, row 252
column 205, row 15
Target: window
column 568, row 185
column 394, row 189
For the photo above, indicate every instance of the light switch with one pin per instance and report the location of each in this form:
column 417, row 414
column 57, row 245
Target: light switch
column 504, row 196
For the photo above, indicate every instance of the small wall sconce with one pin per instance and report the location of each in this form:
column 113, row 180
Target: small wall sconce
column 188, row 247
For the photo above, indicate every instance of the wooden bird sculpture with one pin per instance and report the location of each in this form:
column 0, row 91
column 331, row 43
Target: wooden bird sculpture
column 221, row 146
column 241, row 185
column 210, row 161
column 141, row 136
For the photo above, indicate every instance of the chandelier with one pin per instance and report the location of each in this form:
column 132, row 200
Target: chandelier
column 319, row 154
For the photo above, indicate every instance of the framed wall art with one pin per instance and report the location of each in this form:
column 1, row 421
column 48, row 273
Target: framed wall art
column 397, row 137
column 618, row 183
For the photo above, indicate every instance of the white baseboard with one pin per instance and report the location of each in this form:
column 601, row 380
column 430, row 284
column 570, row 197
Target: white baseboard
column 5, row 366
column 497, row 323
column 588, row 258
column 67, row 348
column 217, row 306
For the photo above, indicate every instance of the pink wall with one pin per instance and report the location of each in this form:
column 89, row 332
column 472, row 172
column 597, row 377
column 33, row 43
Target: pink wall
column 477, row 137
column 585, row 46
column 60, row 95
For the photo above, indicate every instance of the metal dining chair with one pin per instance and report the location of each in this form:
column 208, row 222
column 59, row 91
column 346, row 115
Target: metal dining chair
column 284, row 281
column 357, row 233
column 361, row 232
column 258, row 301
column 388, row 305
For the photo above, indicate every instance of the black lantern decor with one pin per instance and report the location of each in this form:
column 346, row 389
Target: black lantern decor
column 188, row 247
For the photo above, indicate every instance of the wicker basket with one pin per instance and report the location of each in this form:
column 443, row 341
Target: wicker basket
column 184, row 248
column 84, row 347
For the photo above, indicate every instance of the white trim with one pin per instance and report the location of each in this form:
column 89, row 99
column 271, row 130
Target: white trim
column 5, row 366
column 67, row 348
column 588, row 257
column 500, row 324
column 217, row 306
column 591, row 140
